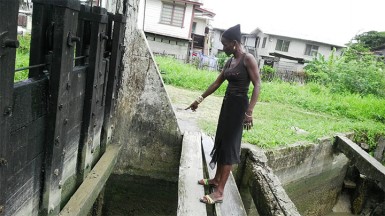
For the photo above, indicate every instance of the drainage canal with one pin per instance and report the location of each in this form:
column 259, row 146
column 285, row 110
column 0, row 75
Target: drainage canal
column 318, row 179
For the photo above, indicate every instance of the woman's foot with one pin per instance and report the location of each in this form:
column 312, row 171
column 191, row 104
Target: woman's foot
column 212, row 198
column 209, row 182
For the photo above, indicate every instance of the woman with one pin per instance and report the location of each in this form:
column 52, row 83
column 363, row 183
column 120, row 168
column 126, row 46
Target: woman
column 236, row 112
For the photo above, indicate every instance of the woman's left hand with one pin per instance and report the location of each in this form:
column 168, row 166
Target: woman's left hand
column 248, row 121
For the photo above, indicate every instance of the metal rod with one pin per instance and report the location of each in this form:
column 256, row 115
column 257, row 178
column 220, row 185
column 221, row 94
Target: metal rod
column 80, row 57
column 30, row 67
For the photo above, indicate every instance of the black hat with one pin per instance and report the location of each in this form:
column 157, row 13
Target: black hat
column 233, row 33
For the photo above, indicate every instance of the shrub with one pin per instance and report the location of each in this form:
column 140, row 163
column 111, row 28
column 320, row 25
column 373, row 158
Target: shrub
column 222, row 59
column 356, row 71
column 268, row 72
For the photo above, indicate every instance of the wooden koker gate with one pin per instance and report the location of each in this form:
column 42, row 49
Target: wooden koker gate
column 55, row 125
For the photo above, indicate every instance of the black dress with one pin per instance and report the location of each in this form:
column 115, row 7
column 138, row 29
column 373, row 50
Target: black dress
column 228, row 136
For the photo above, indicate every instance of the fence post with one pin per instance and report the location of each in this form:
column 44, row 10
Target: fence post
column 8, row 43
column 113, row 75
column 93, row 112
column 59, row 36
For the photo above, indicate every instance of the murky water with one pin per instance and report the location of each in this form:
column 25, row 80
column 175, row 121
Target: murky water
column 137, row 196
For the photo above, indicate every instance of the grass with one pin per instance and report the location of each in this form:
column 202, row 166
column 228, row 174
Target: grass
column 22, row 57
column 283, row 106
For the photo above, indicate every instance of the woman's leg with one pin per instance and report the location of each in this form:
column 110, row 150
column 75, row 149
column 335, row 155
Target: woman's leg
column 218, row 174
column 217, row 177
column 223, row 172
column 224, row 175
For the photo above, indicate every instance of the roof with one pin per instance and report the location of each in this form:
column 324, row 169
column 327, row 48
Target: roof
column 296, row 35
column 189, row 2
column 205, row 12
column 299, row 60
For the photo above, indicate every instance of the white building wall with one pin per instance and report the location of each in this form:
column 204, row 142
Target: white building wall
column 296, row 48
column 200, row 27
column 152, row 13
column 216, row 41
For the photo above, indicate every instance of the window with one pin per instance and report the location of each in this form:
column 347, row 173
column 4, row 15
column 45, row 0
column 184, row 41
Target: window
column 282, row 45
column 172, row 14
column 257, row 40
column 194, row 26
column 311, row 50
column 264, row 42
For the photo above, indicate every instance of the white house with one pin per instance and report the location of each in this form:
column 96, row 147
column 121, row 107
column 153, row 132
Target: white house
column 282, row 51
column 176, row 27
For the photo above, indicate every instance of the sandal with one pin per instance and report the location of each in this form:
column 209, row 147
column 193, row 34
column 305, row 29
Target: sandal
column 205, row 182
column 208, row 200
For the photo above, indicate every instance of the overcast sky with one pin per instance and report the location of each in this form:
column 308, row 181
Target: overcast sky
column 333, row 21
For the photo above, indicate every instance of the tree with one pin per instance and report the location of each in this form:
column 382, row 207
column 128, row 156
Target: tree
column 371, row 39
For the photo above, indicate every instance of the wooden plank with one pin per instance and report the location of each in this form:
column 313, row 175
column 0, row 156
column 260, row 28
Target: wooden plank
column 27, row 144
column 232, row 203
column 30, row 102
column 64, row 16
column 82, row 201
column 190, row 171
column 41, row 39
column 366, row 164
column 114, row 67
column 93, row 112
column 24, row 185
column 8, row 32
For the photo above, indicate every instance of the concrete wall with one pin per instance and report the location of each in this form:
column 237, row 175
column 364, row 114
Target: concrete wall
column 145, row 123
column 312, row 174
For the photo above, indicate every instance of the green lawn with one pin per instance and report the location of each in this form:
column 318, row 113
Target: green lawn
column 284, row 107
column 22, row 57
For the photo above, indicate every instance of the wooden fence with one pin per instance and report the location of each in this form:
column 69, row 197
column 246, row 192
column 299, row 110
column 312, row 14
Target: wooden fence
column 55, row 125
column 286, row 76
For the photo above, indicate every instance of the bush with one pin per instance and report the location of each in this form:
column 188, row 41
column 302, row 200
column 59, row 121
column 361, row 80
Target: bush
column 222, row 59
column 356, row 71
column 268, row 72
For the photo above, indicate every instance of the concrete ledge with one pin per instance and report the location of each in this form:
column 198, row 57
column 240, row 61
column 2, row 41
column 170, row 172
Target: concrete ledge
column 265, row 188
column 190, row 171
column 84, row 198
column 365, row 163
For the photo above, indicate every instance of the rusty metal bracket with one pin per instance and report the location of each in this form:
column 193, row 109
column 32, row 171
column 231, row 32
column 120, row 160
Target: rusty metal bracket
column 5, row 42
column 103, row 36
column 71, row 39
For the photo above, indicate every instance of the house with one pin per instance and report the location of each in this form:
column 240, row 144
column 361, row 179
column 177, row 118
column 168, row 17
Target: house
column 216, row 45
column 281, row 51
column 177, row 28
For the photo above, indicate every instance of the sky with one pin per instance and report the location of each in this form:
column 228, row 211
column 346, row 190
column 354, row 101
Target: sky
column 332, row 21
